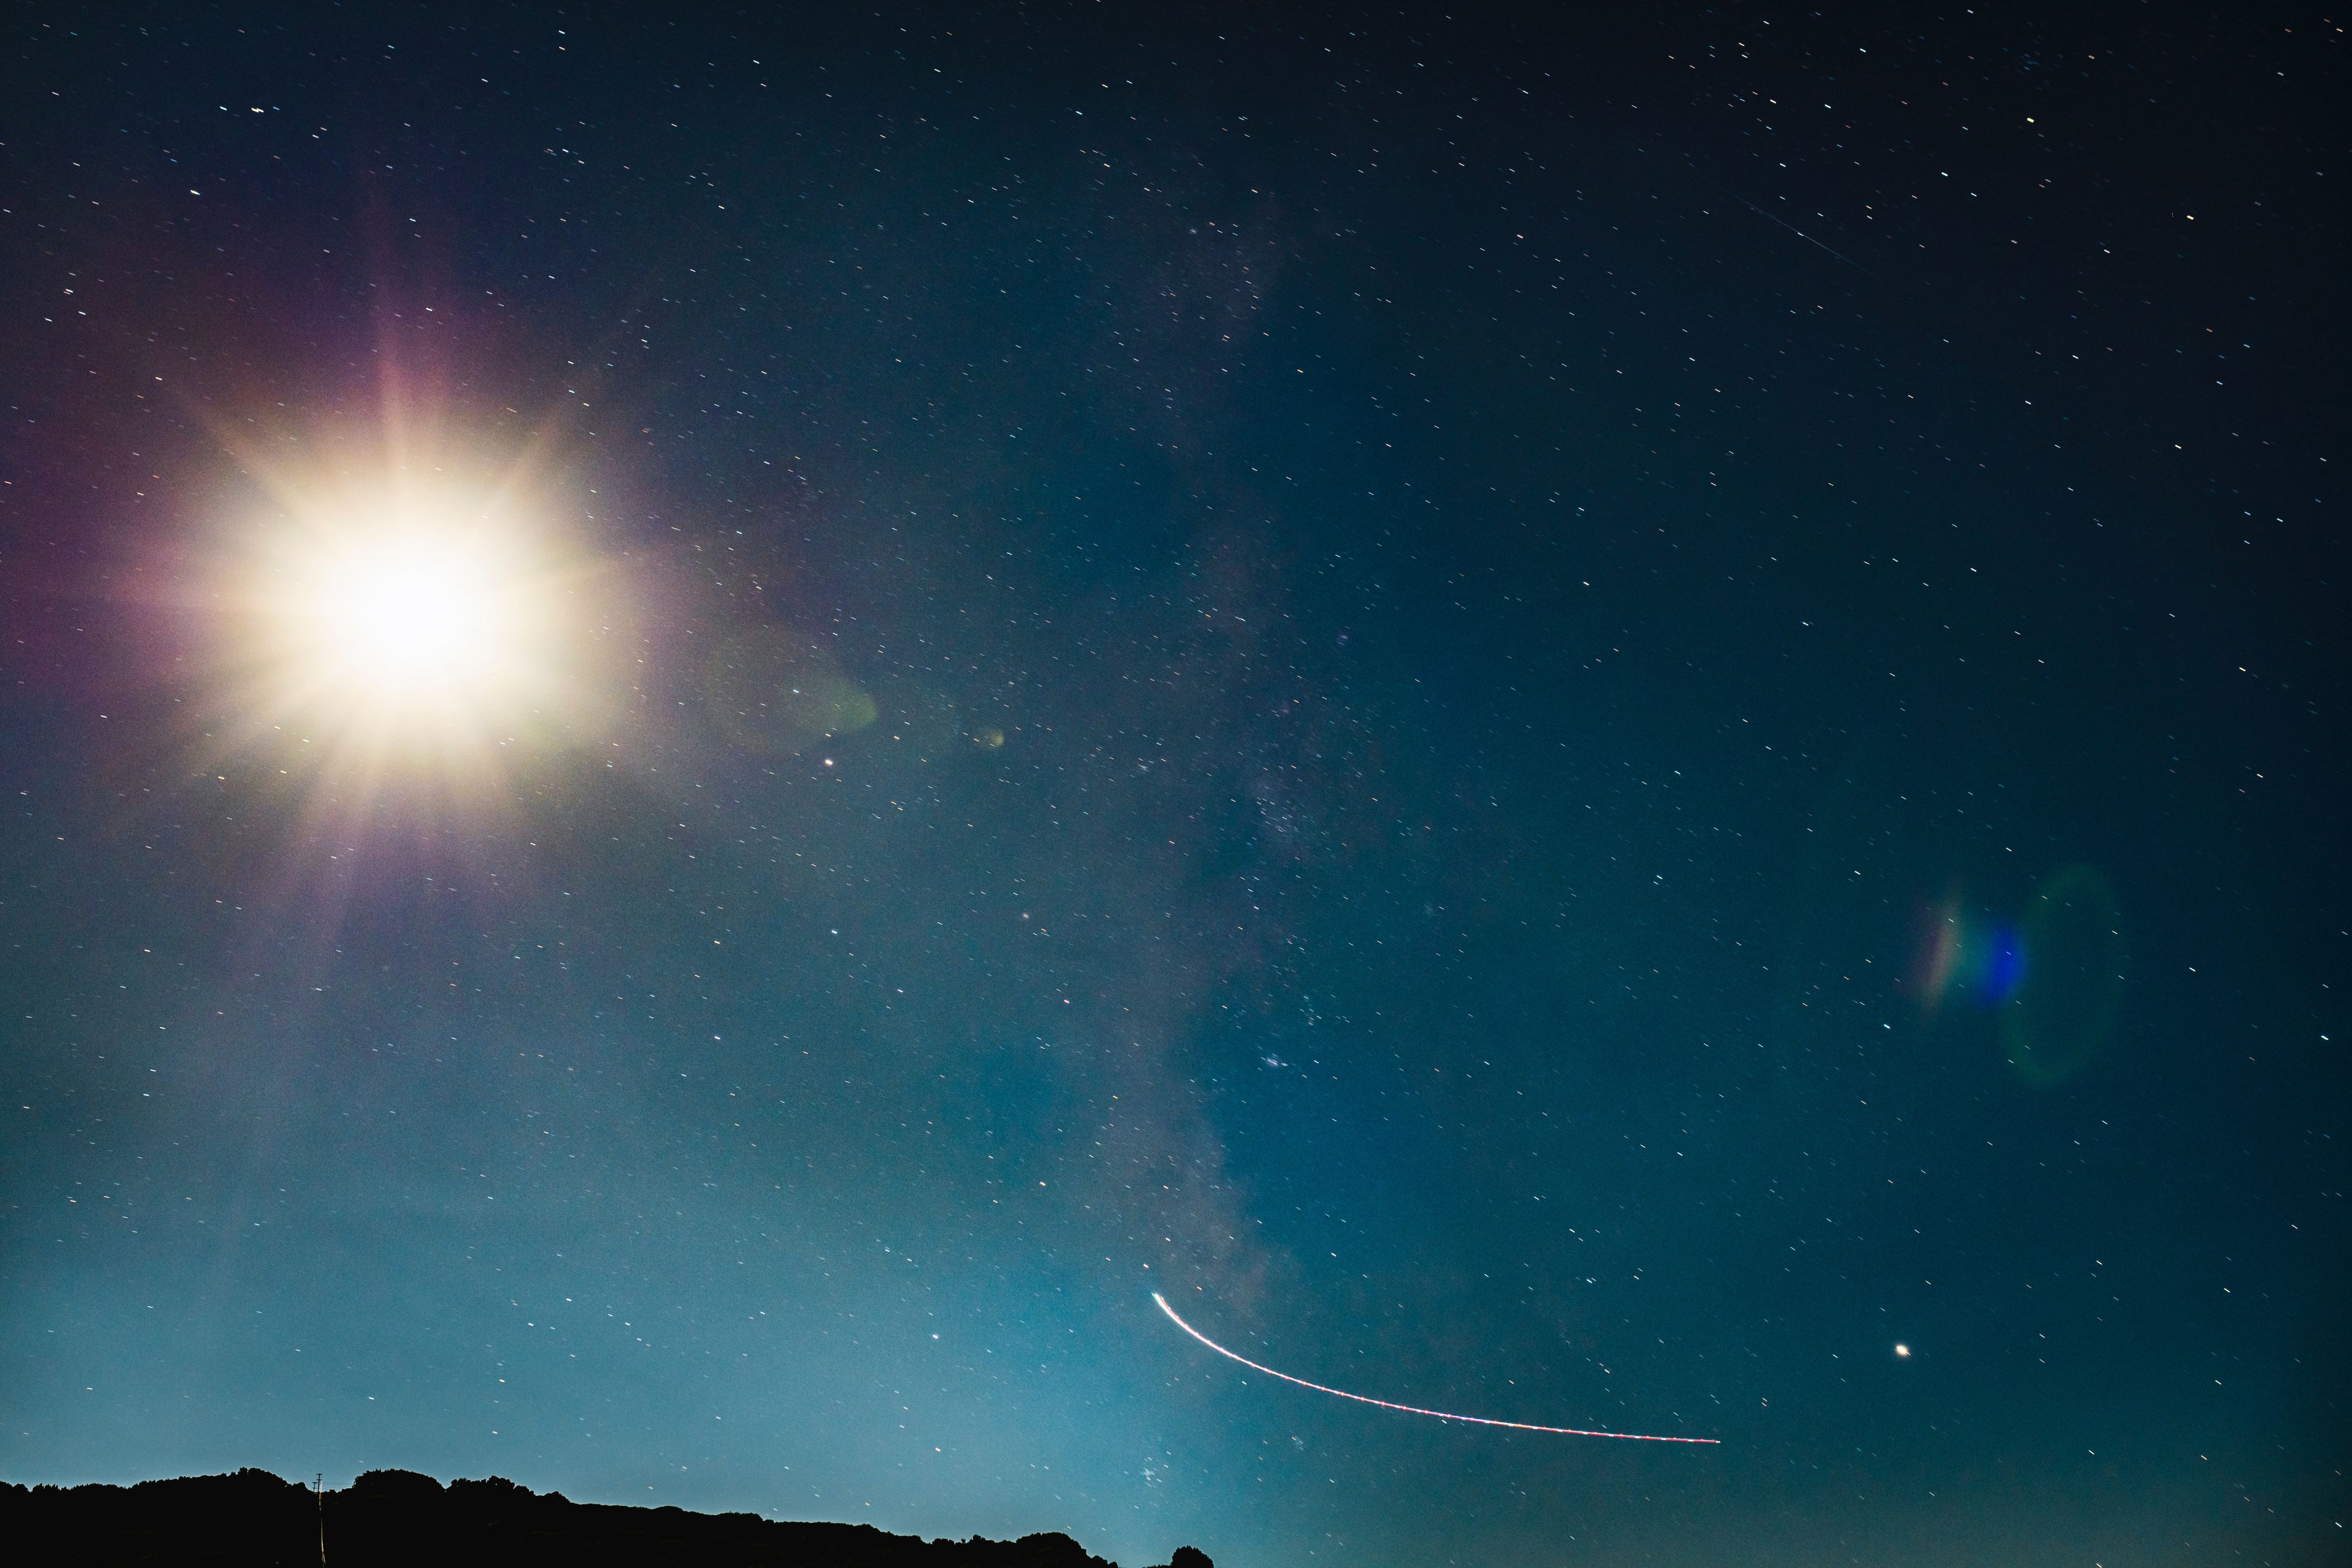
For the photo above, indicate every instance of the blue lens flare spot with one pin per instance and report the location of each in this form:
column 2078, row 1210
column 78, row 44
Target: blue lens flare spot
column 2004, row 967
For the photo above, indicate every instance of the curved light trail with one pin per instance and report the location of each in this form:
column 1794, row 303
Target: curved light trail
column 1412, row 1409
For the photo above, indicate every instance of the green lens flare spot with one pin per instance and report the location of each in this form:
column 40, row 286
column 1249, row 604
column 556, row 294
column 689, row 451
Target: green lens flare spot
column 2075, row 975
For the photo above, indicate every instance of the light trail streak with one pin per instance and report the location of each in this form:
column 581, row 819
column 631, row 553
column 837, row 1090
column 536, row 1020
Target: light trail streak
column 1774, row 217
column 1413, row 1410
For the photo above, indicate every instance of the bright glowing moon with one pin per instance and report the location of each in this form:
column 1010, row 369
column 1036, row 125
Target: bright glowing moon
column 409, row 615
column 398, row 617
column 400, row 629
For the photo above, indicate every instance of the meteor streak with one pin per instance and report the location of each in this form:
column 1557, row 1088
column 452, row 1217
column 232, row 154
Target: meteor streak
column 1412, row 1409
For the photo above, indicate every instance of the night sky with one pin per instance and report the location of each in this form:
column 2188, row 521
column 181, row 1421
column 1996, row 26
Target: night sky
column 1578, row 721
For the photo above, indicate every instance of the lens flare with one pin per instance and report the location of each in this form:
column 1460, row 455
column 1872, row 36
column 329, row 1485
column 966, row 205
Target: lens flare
column 1413, row 1410
column 2054, row 979
column 2059, row 1017
column 1964, row 958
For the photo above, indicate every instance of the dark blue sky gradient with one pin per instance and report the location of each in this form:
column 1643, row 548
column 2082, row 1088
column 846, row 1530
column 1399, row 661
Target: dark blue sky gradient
column 1446, row 609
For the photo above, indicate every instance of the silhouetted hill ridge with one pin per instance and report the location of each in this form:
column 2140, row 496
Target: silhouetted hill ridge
column 391, row 1517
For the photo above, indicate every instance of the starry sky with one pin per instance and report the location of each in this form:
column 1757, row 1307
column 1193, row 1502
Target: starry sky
column 1578, row 721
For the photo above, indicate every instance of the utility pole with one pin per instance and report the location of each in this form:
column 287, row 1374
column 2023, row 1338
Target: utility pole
column 319, row 1490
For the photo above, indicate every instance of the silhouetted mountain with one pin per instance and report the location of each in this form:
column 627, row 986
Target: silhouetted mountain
column 396, row 1517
